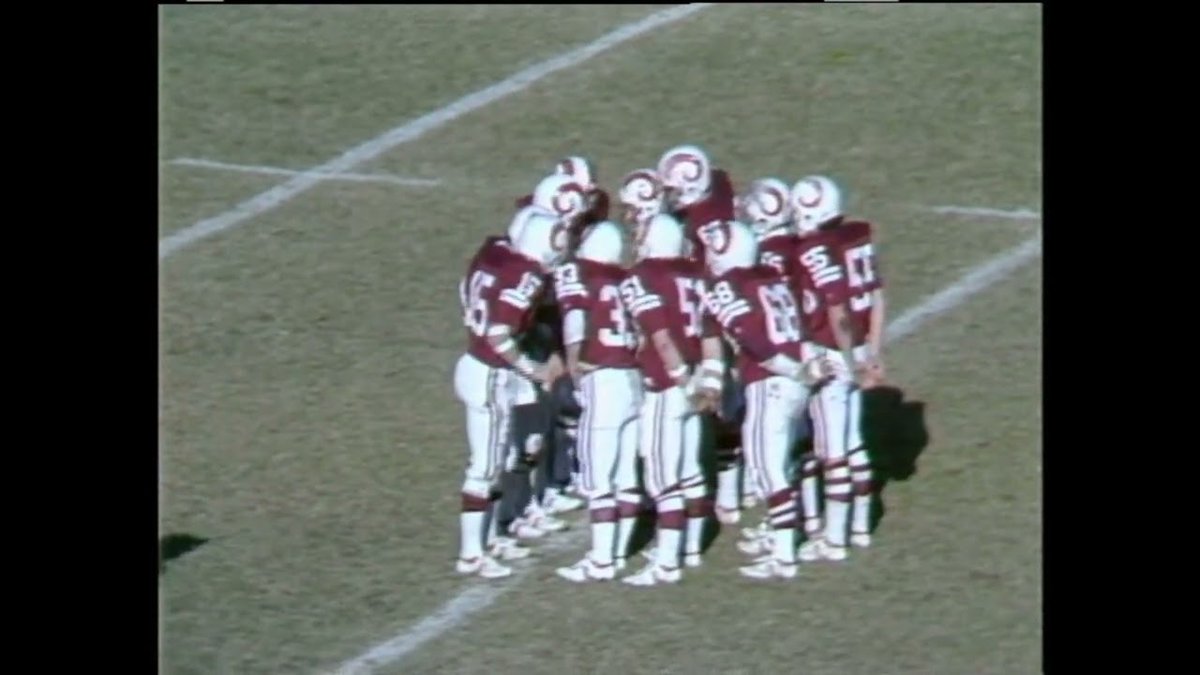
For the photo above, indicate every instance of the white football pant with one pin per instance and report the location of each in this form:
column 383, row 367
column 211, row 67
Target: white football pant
column 670, row 448
column 487, row 394
column 773, row 407
column 606, row 448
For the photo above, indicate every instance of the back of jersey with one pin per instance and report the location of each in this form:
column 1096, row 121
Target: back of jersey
column 666, row 294
column 594, row 288
column 501, row 288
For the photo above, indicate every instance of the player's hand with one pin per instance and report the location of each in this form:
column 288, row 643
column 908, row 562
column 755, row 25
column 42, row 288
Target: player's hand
column 816, row 371
column 870, row 373
column 555, row 367
column 541, row 374
column 706, row 400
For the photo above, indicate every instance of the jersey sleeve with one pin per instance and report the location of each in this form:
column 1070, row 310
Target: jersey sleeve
column 826, row 274
column 644, row 305
column 569, row 288
column 739, row 317
column 516, row 299
column 709, row 326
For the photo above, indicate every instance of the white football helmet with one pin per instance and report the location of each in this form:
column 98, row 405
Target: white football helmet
column 816, row 200
column 728, row 245
column 542, row 238
column 561, row 196
column 659, row 237
column 642, row 194
column 579, row 169
column 603, row 243
column 766, row 206
column 686, row 173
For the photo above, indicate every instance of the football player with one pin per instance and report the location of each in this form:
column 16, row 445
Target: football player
column 502, row 286
column 759, row 314
column 601, row 358
column 817, row 202
column 642, row 196
column 664, row 292
column 582, row 171
column 696, row 193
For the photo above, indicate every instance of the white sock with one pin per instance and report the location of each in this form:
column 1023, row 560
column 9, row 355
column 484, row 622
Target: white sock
column 860, row 475
column 603, row 535
column 668, row 539
column 785, row 544
column 694, row 496
column 668, row 547
column 861, row 523
column 836, row 513
column 727, row 489
column 471, row 523
column 630, row 501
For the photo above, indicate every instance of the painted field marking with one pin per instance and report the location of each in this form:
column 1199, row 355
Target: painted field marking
column 279, row 171
column 410, row 131
column 1012, row 214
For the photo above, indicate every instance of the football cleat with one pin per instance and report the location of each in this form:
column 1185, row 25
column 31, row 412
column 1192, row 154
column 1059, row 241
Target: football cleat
column 819, row 549
column 769, row 568
column 484, row 566
column 507, row 548
column 587, row 570
column 654, row 575
column 860, row 539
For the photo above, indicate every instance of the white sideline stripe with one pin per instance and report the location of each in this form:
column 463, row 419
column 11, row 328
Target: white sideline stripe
column 278, row 171
column 415, row 129
column 1015, row 214
column 476, row 598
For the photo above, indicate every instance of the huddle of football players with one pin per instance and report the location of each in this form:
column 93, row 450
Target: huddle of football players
column 754, row 319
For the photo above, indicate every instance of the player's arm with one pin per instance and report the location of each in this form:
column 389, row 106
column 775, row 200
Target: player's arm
column 512, row 305
column 843, row 329
column 875, row 336
column 711, row 376
column 572, row 297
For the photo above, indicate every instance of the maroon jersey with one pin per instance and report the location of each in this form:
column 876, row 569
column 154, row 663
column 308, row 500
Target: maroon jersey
column 778, row 250
column 501, row 288
column 821, row 284
column 667, row 293
column 595, row 288
column 597, row 213
column 717, row 206
column 759, row 313
column 858, row 255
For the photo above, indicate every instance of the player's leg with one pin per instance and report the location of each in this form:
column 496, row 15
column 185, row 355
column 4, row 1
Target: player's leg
column 483, row 393
column 695, row 492
column 860, row 474
column 625, row 482
column 527, row 443
column 604, row 404
column 810, row 477
column 662, row 449
column 830, row 412
column 771, row 413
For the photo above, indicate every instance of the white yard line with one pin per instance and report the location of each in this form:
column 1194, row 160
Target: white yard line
column 413, row 130
column 1013, row 214
column 481, row 594
column 279, row 171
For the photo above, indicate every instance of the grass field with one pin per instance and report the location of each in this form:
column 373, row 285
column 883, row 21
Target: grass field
column 309, row 429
